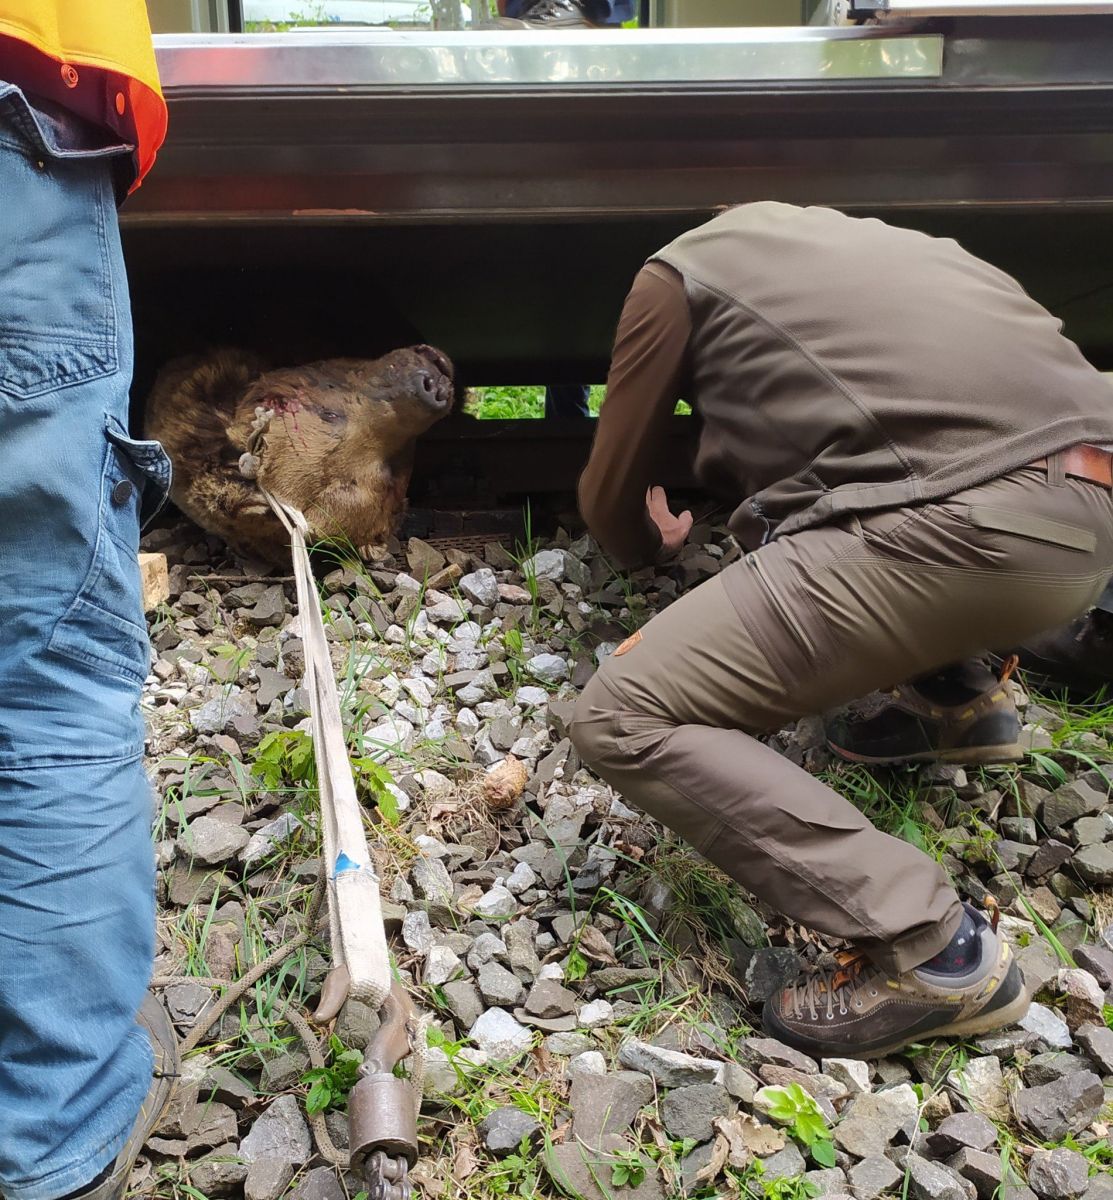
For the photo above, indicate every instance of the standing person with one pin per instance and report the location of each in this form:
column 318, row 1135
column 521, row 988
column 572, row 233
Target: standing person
column 563, row 14
column 907, row 438
column 86, row 1056
column 565, row 400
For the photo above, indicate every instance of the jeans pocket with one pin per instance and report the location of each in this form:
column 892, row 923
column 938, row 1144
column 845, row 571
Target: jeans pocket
column 104, row 627
column 58, row 307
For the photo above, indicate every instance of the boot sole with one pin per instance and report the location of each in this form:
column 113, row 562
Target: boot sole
column 973, row 756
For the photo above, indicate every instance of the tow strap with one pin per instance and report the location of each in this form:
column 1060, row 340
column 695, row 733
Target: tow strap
column 382, row 1107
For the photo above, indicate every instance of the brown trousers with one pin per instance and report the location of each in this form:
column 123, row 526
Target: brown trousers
column 811, row 621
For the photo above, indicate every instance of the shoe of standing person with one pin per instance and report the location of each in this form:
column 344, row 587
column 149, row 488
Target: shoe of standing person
column 551, row 14
column 112, row 1183
column 857, row 1010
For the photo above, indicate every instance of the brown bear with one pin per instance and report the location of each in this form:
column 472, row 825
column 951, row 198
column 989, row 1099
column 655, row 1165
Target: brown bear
column 339, row 444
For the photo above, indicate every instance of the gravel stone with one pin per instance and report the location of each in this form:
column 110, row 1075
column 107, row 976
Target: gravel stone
column 210, row 841
column 264, row 840
column 549, row 668
column 463, row 1001
column 502, row 1130
column 319, row 1184
column 981, row 1084
column 548, row 998
column 756, row 1051
column 481, row 587
column 1095, row 864
column 688, row 1112
column 962, row 1130
column 591, row 1062
column 933, row 1181
column 670, row 1068
column 1068, row 803
column 486, row 948
column 267, row 1178
column 873, row 1176
column 852, row 1073
column 607, row 1104
column 568, row 1045
column 431, row 880
column 545, row 565
column 498, row 986
column 870, row 1122
column 497, row 902
column 785, row 1164
column 1065, row 1106
column 1059, row 1174
column 280, row 1133
column 442, row 963
column 1085, row 999
column 595, row 1014
column 220, row 1173
column 982, row 1169
column 741, row 1084
column 769, row 971
column 1097, row 1042
column 1048, row 1026
column 499, row 1035
column 831, row 1182
column 578, row 1173
column 1098, row 961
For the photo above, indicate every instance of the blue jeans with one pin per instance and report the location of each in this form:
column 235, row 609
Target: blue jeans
column 76, row 866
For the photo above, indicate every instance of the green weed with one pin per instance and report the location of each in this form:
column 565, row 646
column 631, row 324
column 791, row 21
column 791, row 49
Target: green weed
column 329, row 1085
column 792, row 1106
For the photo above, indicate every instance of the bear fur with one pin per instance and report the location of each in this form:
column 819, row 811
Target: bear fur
column 339, row 444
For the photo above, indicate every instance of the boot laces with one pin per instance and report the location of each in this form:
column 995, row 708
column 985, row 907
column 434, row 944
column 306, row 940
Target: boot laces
column 837, row 988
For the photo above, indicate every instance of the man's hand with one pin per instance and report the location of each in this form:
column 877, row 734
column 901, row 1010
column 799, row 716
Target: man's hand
column 674, row 530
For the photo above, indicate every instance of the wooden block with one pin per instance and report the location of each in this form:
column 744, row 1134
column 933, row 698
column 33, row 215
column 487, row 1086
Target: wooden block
column 155, row 579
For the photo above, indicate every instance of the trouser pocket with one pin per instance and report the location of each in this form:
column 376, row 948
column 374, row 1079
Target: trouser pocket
column 104, row 626
column 784, row 621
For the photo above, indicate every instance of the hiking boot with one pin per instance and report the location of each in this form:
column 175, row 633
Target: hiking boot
column 551, row 14
column 1076, row 660
column 857, row 1010
column 152, row 1017
column 962, row 715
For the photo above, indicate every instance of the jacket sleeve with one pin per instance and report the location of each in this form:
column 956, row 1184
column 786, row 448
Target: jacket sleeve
column 642, row 391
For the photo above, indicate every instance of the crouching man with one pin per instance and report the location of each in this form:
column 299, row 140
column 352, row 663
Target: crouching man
column 909, row 441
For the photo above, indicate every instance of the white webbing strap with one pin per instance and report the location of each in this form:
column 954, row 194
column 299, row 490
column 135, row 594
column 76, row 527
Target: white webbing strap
column 355, row 910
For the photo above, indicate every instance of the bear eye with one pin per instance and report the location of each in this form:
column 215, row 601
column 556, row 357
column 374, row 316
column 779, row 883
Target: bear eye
column 329, row 415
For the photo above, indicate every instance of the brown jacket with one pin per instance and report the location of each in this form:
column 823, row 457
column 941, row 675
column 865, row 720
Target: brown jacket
column 839, row 365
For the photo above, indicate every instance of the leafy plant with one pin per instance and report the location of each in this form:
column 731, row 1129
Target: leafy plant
column 284, row 758
column 576, row 967
column 329, row 1086
column 516, row 1174
column 628, row 1169
column 792, row 1106
column 371, row 779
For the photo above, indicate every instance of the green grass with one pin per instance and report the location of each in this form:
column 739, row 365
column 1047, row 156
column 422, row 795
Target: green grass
column 523, row 403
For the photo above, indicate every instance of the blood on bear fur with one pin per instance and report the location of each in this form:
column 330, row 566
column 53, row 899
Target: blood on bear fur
column 339, row 446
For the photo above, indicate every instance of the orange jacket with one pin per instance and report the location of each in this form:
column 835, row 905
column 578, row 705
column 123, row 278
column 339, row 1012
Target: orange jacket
column 94, row 58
